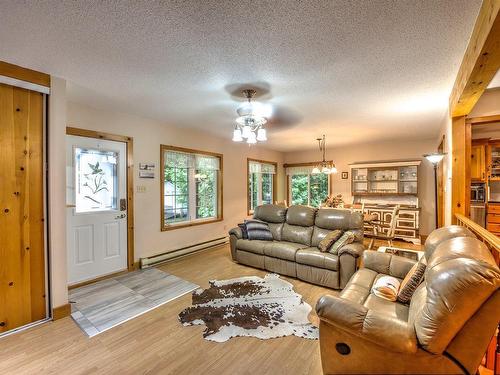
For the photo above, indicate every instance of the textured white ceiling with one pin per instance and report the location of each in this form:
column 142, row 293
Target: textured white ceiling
column 355, row 70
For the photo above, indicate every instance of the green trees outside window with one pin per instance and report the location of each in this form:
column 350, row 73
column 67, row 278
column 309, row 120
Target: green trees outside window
column 308, row 189
column 190, row 186
column 260, row 183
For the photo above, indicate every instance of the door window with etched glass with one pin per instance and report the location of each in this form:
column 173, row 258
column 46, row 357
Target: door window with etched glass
column 96, row 180
column 261, row 178
column 191, row 187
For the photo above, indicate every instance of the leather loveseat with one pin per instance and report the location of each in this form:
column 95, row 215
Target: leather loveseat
column 297, row 231
column 446, row 327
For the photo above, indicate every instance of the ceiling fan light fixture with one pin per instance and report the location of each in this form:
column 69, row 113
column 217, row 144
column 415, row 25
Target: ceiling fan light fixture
column 261, row 135
column 252, row 116
column 251, row 138
column 237, row 135
column 245, row 133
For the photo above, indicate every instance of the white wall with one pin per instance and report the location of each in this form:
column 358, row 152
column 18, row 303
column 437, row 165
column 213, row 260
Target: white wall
column 57, row 191
column 148, row 135
column 381, row 151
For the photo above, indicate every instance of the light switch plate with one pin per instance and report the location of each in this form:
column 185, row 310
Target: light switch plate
column 141, row 188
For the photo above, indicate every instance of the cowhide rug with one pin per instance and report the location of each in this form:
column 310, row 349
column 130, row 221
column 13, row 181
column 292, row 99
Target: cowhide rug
column 249, row 306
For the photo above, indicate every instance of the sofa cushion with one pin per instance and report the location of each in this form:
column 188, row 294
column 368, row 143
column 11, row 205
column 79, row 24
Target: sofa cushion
column 334, row 218
column 282, row 249
column 390, row 309
column 252, row 246
column 301, row 215
column 359, row 286
column 311, row 256
column 271, row 213
column 461, row 275
column 276, row 230
column 296, row 233
column 443, row 234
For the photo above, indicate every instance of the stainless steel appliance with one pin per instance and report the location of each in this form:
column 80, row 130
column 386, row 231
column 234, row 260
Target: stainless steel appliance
column 478, row 204
column 477, row 193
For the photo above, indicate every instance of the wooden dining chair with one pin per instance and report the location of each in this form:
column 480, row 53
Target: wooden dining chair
column 378, row 227
column 281, row 203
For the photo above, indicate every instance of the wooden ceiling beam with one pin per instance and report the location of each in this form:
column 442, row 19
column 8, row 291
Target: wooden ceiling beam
column 481, row 60
column 25, row 74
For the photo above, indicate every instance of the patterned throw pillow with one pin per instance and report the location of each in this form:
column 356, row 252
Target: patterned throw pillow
column 411, row 282
column 329, row 239
column 258, row 230
column 386, row 287
column 347, row 238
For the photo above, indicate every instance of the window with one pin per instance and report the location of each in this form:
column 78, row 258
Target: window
column 191, row 187
column 261, row 183
column 96, row 180
column 306, row 188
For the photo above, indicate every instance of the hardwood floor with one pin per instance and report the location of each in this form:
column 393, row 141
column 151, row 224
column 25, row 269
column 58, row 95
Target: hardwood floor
column 156, row 343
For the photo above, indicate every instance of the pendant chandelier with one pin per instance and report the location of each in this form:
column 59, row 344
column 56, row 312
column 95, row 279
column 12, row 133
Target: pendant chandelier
column 325, row 167
column 252, row 116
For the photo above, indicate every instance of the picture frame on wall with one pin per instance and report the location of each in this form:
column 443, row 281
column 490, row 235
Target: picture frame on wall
column 345, row 175
column 147, row 170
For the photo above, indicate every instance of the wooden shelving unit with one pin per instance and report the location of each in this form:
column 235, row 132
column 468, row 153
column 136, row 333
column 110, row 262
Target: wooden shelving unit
column 391, row 178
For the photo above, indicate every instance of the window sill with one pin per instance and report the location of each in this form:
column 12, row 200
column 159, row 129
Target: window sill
column 189, row 224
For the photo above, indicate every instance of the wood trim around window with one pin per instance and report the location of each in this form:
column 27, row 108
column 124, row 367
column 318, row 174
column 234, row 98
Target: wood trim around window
column 129, row 141
column 275, row 180
column 220, row 188
column 307, row 164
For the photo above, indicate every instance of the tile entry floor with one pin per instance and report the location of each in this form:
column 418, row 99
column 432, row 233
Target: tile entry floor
column 105, row 304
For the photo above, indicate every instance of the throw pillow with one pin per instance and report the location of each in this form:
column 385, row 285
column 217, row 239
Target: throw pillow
column 347, row 238
column 411, row 282
column 386, row 287
column 258, row 230
column 244, row 233
column 329, row 240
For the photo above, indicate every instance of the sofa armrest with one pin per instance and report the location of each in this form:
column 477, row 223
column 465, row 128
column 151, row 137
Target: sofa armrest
column 236, row 232
column 371, row 325
column 355, row 249
column 387, row 264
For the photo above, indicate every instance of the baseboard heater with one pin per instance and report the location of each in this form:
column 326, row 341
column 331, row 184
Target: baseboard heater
column 160, row 258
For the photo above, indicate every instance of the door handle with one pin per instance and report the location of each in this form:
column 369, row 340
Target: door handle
column 122, row 216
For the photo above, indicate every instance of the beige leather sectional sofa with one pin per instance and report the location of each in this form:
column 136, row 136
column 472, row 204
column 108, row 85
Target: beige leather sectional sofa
column 297, row 231
column 446, row 328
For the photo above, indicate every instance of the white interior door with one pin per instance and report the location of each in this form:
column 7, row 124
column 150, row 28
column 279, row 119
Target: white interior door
column 96, row 212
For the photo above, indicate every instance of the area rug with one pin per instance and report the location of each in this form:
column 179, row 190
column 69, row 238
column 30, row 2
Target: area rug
column 105, row 304
column 249, row 306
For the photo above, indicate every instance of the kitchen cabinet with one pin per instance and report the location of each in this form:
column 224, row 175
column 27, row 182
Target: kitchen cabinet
column 493, row 218
column 494, row 160
column 478, row 162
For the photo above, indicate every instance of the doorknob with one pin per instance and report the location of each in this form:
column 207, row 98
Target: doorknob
column 122, row 216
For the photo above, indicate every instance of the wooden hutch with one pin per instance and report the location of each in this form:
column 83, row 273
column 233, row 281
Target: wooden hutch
column 381, row 186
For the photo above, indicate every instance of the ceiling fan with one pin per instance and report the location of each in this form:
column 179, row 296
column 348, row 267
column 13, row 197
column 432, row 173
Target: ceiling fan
column 254, row 116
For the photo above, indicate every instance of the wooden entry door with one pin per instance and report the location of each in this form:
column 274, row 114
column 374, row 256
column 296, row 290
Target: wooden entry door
column 22, row 250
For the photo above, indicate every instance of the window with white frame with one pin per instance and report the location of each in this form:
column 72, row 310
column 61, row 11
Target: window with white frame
column 261, row 183
column 191, row 187
column 307, row 188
